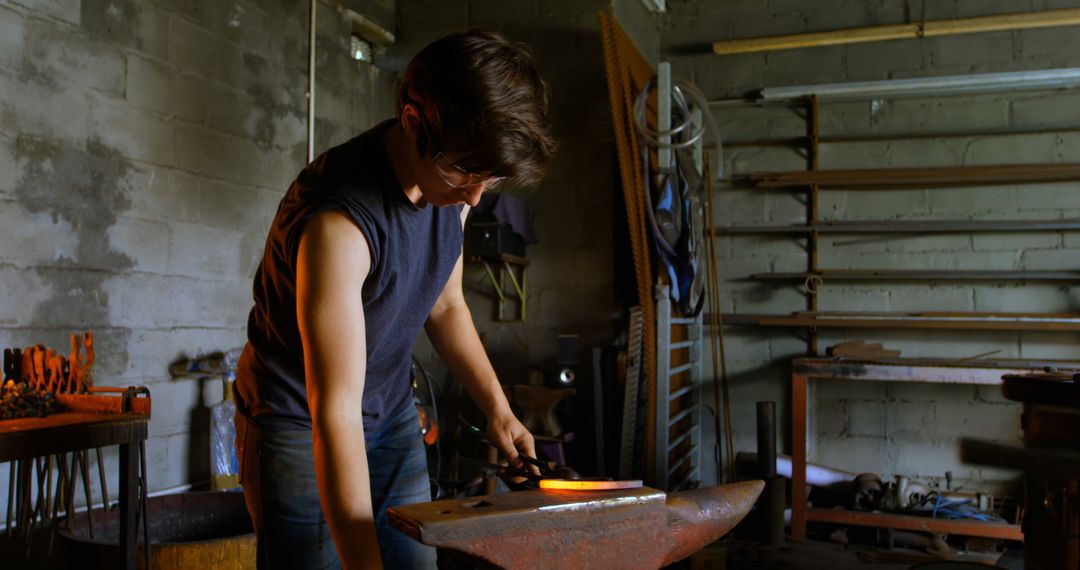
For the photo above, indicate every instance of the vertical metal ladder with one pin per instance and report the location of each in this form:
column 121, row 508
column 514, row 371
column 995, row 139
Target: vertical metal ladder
column 677, row 461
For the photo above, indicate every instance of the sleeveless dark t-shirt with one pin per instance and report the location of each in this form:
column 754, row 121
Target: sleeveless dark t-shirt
column 413, row 251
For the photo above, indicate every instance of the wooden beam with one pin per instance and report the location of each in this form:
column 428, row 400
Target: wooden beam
column 1022, row 21
column 921, row 177
column 845, row 139
column 907, row 227
column 923, row 321
column 922, row 524
column 923, row 274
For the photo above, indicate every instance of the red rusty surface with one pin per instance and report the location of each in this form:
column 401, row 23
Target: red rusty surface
column 631, row 528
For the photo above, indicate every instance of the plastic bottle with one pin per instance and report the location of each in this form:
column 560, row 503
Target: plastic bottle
column 224, row 467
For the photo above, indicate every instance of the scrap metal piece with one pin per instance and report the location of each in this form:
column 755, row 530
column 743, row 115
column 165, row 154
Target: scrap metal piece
column 628, row 528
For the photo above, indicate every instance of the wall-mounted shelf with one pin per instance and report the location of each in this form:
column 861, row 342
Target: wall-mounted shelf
column 930, row 135
column 917, row 274
column 913, row 227
column 814, row 180
column 921, row 320
column 920, row 177
column 500, row 269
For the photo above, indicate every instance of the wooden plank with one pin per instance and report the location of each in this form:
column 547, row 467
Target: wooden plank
column 943, row 315
column 1020, row 21
column 918, row 274
column 904, row 322
column 1002, row 22
column 912, row 227
column 870, row 370
column 897, row 136
column 999, row 531
column 907, row 177
column 816, row 39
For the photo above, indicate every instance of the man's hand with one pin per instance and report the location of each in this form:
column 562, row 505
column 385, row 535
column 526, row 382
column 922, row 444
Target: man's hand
column 506, row 433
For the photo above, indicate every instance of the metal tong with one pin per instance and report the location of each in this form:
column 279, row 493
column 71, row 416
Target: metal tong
column 522, row 477
column 551, row 470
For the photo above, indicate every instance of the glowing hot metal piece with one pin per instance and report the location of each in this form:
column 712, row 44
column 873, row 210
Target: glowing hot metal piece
column 586, row 485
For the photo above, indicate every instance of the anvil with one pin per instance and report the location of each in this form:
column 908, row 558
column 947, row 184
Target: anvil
column 628, row 528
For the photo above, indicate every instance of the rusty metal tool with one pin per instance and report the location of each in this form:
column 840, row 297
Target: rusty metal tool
column 11, row 496
column 626, row 529
column 547, row 469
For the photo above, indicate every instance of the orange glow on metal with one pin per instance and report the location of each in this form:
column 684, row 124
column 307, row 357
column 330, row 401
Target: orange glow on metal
column 569, row 485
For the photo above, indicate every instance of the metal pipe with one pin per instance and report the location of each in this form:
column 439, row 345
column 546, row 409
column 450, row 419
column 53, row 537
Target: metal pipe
column 772, row 500
column 311, row 84
column 1045, row 80
column 766, row 439
column 923, row 86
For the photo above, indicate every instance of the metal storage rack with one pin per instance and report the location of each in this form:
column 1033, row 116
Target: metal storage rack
column 814, row 180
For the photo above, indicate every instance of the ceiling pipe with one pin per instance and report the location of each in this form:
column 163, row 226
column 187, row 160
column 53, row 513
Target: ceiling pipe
column 921, row 86
column 1044, row 79
column 1022, row 21
column 311, row 85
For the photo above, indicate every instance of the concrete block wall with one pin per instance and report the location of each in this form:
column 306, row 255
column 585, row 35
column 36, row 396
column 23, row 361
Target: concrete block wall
column 898, row 429
column 144, row 146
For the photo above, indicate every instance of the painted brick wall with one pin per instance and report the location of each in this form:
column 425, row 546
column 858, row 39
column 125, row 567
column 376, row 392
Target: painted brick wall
column 903, row 429
column 144, row 146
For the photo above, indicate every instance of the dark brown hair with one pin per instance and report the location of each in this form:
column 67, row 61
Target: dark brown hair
column 480, row 94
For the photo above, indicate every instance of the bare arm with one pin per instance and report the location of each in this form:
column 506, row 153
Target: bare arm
column 453, row 334
column 332, row 263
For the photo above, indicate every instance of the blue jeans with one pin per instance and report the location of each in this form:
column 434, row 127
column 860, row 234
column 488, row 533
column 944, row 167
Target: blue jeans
column 278, row 475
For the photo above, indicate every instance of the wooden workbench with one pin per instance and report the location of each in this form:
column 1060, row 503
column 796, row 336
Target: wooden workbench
column 78, row 430
column 890, row 370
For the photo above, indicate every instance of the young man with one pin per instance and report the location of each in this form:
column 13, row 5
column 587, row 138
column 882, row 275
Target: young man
column 365, row 249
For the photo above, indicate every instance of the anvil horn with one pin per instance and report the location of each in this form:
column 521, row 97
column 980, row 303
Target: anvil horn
column 700, row 517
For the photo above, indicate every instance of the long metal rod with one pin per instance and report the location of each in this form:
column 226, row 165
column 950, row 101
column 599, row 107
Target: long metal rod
column 900, row 321
column 844, row 139
column 914, row 227
column 915, row 274
column 311, row 84
column 836, row 93
column 943, row 315
column 812, row 214
column 1016, row 21
column 900, row 177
